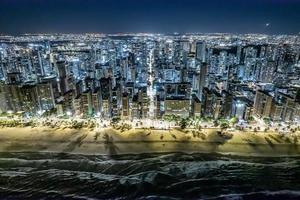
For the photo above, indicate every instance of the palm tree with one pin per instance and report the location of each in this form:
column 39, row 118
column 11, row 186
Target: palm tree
column 183, row 123
column 234, row 120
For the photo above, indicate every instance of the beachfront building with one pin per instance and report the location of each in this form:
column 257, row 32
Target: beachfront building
column 262, row 104
column 177, row 106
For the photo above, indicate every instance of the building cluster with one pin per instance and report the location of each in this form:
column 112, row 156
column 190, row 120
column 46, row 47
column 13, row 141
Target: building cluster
column 150, row 76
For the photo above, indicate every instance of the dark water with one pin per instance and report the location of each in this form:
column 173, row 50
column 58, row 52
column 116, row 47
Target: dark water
column 147, row 176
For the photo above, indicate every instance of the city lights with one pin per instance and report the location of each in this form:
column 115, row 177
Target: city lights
column 149, row 99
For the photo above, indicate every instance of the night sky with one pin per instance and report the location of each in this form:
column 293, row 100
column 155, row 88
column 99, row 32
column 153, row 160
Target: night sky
column 155, row 16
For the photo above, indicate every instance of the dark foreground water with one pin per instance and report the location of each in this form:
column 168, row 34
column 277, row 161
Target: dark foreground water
column 147, row 176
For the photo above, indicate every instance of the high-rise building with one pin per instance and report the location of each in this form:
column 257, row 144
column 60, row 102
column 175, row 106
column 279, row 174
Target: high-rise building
column 201, row 51
column 262, row 104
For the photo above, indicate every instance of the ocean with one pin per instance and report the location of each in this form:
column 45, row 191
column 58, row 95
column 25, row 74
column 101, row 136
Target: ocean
column 147, row 176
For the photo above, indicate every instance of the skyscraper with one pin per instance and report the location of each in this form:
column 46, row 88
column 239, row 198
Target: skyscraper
column 201, row 51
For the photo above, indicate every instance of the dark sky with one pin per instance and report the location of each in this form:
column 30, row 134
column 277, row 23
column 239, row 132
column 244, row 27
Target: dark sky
column 157, row 16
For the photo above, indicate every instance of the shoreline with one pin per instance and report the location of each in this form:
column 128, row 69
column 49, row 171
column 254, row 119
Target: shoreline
column 109, row 141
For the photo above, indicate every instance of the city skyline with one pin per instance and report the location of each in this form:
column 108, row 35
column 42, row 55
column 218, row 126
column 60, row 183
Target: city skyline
column 156, row 75
column 191, row 16
column 149, row 99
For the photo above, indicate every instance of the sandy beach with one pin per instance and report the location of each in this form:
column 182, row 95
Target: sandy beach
column 109, row 141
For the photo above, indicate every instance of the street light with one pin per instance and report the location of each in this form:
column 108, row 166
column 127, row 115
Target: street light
column 40, row 112
column 69, row 113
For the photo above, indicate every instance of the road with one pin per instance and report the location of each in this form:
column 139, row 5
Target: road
column 150, row 90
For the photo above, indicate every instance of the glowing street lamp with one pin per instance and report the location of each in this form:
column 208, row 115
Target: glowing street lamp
column 40, row 112
column 69, row 113
column 98, row 114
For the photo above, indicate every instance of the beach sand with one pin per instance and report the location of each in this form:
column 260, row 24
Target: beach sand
column 109, row 141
